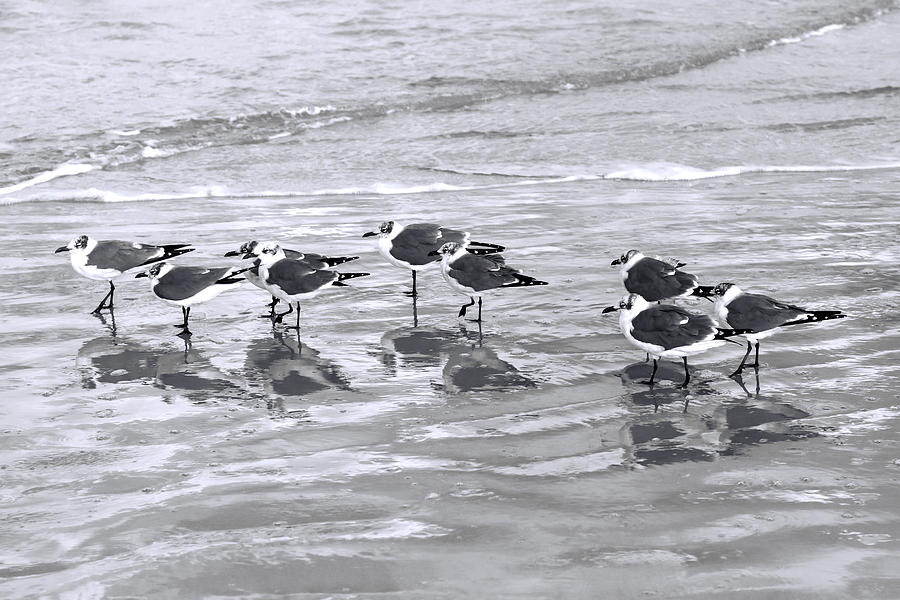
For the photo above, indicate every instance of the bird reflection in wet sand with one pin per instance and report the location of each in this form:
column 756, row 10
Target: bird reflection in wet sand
column 662, row 439
column 112, row 360
column 727, row 429
column 656, row 397
column 286, row 367
column 111, row 323
column 480, row 368
column 419, row 346
column 762, row 420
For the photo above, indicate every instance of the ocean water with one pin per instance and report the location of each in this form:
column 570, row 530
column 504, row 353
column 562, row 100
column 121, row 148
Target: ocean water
column 393, row 450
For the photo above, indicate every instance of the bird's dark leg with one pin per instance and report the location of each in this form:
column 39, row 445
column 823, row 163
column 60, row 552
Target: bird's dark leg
column 462, row 311
column 414, row 292
column 280, row 316
column 652, row 373
column 741, row 366
column 687, row 374
column 109, row 296
column 755, row 364
column 415, row 313
column 271, row 306
column 648, row 358
column 478, row 320
column 297, row 326
column 186, row 311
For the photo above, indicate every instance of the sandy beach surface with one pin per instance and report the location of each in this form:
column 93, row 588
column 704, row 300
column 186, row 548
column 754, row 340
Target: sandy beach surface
column 379, row 458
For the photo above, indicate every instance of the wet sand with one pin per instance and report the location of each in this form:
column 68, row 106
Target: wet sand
column 382, row 456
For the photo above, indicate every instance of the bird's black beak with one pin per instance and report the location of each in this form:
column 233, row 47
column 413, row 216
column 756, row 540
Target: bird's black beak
column 370, row 234
column 248, row 255
column 141, row 274
column 610, row 309
column 618, row 261
column 61, row 249
column 434, row 253
column 233, row 253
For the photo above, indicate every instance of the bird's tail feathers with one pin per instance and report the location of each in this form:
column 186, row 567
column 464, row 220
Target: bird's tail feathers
column 725, row 334
column 169, row 251
column 524, row 280
column 703, row 291
column 232, row 277
column 332, row 261
column 482, row 248
column 814, row 316
column 343, row 276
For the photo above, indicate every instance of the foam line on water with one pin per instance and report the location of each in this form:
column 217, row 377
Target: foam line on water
column 676, row 172
column 60, row 171
column 649, row 173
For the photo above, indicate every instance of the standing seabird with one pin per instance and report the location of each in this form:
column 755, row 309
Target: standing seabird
column 656, row 279
column 111, row 259
column 761, row 316
column 473, row 275
column 413, row 246
column 311, row 259
column 667, row 331
column 292, row 281
column 186, row 286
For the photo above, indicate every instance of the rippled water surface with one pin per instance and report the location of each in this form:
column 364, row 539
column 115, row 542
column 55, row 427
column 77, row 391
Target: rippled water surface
column 393, row 450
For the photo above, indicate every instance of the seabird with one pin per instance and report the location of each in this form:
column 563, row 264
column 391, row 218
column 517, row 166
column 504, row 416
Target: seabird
column 315, row 261
column 473, row 275
column 413, row 246
column 111, row 259
column 186, row 286
column 292, row 281
column 656, row 279
column 761, row 316
column 667, row 331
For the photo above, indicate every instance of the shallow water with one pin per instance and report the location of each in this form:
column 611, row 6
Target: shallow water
column 394, row 450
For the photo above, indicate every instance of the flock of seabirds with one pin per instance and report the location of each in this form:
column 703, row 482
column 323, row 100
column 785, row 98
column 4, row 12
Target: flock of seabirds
column 469, row 267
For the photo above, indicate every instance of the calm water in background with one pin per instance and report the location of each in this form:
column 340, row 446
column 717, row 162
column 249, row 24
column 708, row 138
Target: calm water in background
column 404, row 456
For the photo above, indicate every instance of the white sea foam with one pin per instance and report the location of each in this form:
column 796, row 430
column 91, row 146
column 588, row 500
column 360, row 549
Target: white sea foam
column 653, row 172
column 807, row 35
column 60, row 171
column 127, row 133
column 675, row 172
column 110, row 197
column 153, row 152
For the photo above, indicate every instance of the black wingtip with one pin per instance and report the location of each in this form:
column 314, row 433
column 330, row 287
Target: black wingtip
column 525, row 280
column 724, row 334
column 332, row 261
column 343, row 276
column 170, row 251
column 482, row 248
column 704, row 291
column 816, row 316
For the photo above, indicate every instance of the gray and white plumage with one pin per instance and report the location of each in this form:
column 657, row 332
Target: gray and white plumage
column 311, row 259
column 760, row 314
column 186, row 286
column 656, row 279
column 473, row 275
column 667, row 331
column 111, row 259
column 411, row 246
column 292, row 281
